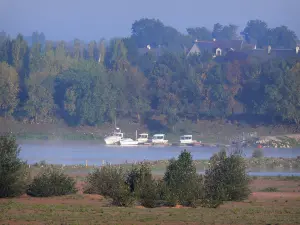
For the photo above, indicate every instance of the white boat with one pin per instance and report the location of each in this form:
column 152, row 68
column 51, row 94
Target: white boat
column 159, row 139
column 115, row 138
column 143, row 138
column 187, row 139
column 128, row 142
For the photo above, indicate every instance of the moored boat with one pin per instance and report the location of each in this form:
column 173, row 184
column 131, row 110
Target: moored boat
column 159, row 139
column 143, row 138
column 114, row 138
column 187, row 139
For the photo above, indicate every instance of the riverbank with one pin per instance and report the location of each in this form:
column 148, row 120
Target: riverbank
column 278, row 167
column 217, row 131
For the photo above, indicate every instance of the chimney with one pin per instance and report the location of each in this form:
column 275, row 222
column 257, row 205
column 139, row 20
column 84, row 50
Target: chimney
column 297, row 49
column 269, row 49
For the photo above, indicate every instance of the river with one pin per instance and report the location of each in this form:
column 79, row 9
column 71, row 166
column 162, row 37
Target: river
column 77, row 152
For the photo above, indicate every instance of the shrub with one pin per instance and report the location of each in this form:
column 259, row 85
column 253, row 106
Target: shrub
column 13, row 171
column 110, row 182
column 270, row 189
column 257, row 153
column 51, row 182
column 226, row 179
column 142, row 185
column 182, row 183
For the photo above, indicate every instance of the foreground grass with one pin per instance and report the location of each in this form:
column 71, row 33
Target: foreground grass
column 80, row 210
column 280, row 207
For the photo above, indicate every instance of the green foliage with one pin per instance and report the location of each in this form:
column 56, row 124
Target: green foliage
column 182, row 183
column 270, row 189
column 91, row 83
column 110, row 182
column 13, row 171
column 257, row 153
column 226, row 179
column 51, row 182
column 9, row 83
column 142, row 185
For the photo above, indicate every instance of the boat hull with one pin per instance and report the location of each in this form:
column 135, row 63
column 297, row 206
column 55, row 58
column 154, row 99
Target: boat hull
column 112, row 141
column 142, row 141
column 187, row 142
column 160, row 142
column 128, row 142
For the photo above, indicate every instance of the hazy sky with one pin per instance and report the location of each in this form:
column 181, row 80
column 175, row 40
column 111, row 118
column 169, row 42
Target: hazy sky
column 93, row 19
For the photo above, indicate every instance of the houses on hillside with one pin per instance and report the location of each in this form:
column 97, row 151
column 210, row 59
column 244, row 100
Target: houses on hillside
column 230, row 50
column 241, row 50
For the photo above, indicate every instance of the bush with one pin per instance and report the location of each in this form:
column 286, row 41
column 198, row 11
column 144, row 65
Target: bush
column 257, row 153
column 142, row 185
column 51, row 182
column 110, row 182
column 182, row 183
column 270, row 189
column 13, row 171
column 226, row 179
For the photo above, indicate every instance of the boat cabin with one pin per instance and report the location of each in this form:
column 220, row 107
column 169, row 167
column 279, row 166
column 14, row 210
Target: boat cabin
column 186, row 139
column 118, row 134
column 143, row 138
column 159, row 139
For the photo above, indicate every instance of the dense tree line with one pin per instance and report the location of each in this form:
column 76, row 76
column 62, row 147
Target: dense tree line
column 91, row 83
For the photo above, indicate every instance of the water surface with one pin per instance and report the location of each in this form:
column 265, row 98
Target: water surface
column 77, row 152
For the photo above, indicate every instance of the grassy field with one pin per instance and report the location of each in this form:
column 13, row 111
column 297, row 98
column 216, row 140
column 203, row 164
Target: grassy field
column 206, row 131
column 273, row 201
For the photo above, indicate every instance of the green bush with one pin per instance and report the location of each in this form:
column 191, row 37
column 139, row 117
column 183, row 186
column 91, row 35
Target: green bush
column 257, row 153
column 182, row 183
column 142, row 185
column 110, row 182
column 270, row 189
column 226, row 179
column 51, row 182
column 13, row 171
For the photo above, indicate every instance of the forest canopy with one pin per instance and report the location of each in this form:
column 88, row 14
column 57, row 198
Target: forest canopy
column 147, row 74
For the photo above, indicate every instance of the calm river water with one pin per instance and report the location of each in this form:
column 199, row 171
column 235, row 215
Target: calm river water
column 76, row 152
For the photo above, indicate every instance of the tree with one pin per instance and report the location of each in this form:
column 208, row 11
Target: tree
column 221, row 32
column 92, row 51
column 13, row 171
column 51, row 182
column 154, row 33
column 226, row 178
column 9, row 83
column 142, row 185
column 40, row 104
column 110, row 182
column 5, row 50
column 147, row 32
column 183, row 183
column 282, row 37
column 36, row 58
column 200, row 33
column 20, row 55
column 257, row 30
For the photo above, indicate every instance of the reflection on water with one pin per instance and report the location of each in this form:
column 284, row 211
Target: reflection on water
column 70, row 153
